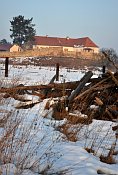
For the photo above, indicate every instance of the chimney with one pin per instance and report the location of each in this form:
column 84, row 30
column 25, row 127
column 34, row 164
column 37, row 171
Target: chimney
column 67, row 38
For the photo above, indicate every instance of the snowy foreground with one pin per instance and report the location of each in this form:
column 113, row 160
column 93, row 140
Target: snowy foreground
column 36, row 146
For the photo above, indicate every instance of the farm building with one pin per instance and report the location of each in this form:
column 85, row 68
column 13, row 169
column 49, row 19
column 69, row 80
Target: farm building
column 67, row 44
column 16, row 48
column 5, row 47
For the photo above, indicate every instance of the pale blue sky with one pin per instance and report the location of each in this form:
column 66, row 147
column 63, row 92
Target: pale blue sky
column 97, row 19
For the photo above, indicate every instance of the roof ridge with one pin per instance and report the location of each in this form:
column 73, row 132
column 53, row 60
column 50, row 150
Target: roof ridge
column 68, row 42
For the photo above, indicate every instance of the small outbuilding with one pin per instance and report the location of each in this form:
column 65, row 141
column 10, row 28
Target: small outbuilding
column 5, row 47
column 16, row 48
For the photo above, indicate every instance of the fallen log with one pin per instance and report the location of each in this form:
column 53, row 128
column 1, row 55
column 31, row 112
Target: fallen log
column 26, row 105
column 113, row 77
column 91, row 89
column 98, row 101
column 82, row 83
column 46, row 91
column 52, row 80
column 67, row 85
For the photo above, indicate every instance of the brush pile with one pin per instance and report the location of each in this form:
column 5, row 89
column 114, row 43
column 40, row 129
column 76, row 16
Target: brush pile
column 79, row 101
column 97, row 99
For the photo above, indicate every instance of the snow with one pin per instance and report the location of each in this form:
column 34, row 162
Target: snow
column 28, row 75
column 46, row 148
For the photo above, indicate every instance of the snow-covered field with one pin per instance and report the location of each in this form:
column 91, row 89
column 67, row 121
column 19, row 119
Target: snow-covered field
column 36, row 146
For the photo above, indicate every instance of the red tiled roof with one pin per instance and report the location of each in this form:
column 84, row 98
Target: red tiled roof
column 68, row 42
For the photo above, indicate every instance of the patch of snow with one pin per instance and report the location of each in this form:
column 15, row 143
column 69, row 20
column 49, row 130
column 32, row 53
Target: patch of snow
column 64, row 156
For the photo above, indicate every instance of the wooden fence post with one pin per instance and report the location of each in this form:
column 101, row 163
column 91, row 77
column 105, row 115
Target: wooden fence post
column 6, row 66
column 103, row 69
column 57, row 72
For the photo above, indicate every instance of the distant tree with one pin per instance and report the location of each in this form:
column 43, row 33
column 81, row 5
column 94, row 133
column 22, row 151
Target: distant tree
column 3, row 41
column 109, row 56
column 22, row 29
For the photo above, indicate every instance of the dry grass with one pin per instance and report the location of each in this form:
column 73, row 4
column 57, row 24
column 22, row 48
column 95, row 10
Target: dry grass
column 20, row 146
column 22, row 143
column 107, row 159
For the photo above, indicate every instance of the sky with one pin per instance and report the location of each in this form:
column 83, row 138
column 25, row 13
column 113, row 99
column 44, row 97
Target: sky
column 96, row 19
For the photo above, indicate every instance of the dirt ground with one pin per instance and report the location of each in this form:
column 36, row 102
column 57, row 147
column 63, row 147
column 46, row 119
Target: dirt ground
column 71, row 63
column 74, row 63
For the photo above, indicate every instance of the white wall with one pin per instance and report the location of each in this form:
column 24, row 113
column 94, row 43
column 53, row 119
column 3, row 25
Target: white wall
column 71, row 49
column 42, row 46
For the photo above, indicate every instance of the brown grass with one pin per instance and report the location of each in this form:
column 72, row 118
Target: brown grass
column 107, row 159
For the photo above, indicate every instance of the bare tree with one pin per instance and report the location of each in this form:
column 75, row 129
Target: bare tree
column 110, row 57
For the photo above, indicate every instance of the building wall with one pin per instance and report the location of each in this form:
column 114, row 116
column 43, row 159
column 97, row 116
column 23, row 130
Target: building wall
column 68, row 49
column 15, row 48
column 51, row 52
column 43, row 46
column 95, row 49
column 78, row 49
